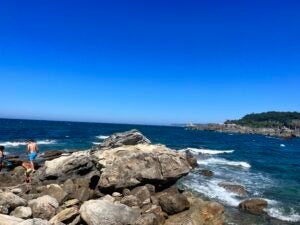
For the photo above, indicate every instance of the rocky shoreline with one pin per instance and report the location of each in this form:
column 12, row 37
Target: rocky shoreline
column 283, row 132
column 125, row 180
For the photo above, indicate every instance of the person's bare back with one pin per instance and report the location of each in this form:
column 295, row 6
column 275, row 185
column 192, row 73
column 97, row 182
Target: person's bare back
column 32, row 150
column 32, row 147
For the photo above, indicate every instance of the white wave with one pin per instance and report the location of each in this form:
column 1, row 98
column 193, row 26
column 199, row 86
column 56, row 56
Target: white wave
column 212, row 190
column 280, row 214
column 19, row 143
column 97, row 143
column 208, row 151
column 282, row 145
column 218, row 161
column 102, row 137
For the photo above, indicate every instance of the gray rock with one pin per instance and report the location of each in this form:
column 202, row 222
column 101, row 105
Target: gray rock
column 234, row 188
column 4, row 209
column 254, row 206
column 11, row 200
column 131, row 200
column 132, row 137
column 55, row 191
column 150, row 219
column 68, row 214
column 10, row 220
column 22, row 212
column 101, row 212
column 35, row 221
column 43, row 207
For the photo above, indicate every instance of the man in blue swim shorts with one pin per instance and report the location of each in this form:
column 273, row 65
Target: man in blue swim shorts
column 32, row 150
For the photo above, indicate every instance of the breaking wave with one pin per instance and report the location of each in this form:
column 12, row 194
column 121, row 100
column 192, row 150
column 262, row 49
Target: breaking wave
column 208, row 151
column 219, row 161
column 102, row 137
column 19, row 143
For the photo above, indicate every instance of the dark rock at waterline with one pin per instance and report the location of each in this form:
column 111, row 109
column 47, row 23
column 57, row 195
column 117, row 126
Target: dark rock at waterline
column 233, row 187
column 206, row 173
column 192, row 160
column 132, row 137
column 254, row 206
column 52, row 154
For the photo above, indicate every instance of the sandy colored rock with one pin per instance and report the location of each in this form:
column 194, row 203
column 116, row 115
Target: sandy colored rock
column 68, row 214
column 101, row 212
column 22, row 212
column 11, row 200
column 10, row 220
column 253, row 206
column 43, row 207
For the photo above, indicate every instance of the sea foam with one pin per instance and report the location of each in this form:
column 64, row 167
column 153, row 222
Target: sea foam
column 102, row 137
column 19, row 143
column 208, row 151
column 219, row 161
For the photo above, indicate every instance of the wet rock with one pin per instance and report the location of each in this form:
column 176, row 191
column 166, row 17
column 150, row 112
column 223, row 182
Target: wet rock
column 10, row 220
column 132, row 137
column 253, row 206
column 52, row 154
column 11, row 200
column 43, row 207
column 22, row 212
column 206, row 173
column 235, row 188
column 66, row 215
column 101, row 212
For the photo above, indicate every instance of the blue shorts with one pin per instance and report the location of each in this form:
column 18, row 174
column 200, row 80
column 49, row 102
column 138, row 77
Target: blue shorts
column 32, row 156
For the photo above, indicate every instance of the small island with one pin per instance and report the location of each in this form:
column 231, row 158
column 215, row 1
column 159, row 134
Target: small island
column 278, row 124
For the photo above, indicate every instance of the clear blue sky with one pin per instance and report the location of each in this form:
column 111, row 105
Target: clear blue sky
column 151, row 62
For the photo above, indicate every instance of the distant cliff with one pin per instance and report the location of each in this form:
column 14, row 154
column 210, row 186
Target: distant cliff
column 279, row 124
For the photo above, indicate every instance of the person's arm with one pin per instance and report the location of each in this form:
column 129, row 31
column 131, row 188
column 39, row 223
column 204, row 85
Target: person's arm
column 36, row 148
column 28, row 149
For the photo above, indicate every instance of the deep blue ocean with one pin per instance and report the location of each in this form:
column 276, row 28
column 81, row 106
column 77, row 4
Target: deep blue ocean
column 268, row 167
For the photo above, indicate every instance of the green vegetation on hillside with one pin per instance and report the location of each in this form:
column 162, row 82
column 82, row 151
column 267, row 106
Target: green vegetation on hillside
column 269, row 119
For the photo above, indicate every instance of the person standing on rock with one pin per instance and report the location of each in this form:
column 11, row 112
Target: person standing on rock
column 1, row 156
column 32, row 150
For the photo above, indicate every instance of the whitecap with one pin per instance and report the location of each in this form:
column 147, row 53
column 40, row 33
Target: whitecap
column 19, row 143
column 279, row 213
column 102, row 137
column 219, row 161
column 208, row 151
column 282, row 145
column 97, row 143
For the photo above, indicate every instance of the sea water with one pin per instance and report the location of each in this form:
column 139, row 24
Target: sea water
column 268, row 167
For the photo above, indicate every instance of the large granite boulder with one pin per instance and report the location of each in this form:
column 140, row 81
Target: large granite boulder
column 55, row 191
column 43, row 207
column 66, row 166
column 254, row 206
column 10, row 220
column 129, row 166
column 132, row 137
column 11, row 200
column 102, row 212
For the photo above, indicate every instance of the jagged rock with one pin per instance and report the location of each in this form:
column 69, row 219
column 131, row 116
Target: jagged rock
column 75, row 165
column 132, row 137
column 253, row 206
column 101, row 212
column 235, row 188
column 206, row 173
column 11, row 200
column 22, row 212
column 52, row 154
column 44, row 207
column 131, row 200
column 199, row 213
column 10, row 220
column 66, row 215
column 129, row 166
column 142, row 193
column 76, row 221
column 55, row 191
column 35, row 221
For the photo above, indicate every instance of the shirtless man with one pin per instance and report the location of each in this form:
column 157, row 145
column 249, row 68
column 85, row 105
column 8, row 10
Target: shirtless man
column 32, row 150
